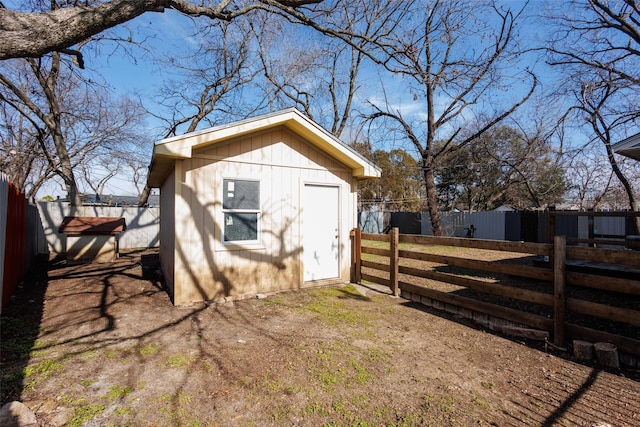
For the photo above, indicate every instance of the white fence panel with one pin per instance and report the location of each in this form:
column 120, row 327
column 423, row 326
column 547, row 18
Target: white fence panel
column 35, row 235
column 371, row 222
column 143, row 224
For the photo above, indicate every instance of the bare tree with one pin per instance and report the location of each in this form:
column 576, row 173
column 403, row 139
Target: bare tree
column 321, row 75
column 593, row 106
column 453, row 62
column 71, row 122
column 590, row 184
column 44, row 112
column 97, row 181
column 602, row 35
column 292, row 74
column 138, row 176
column 596, row 47
column 20, row 151
column 208, row 83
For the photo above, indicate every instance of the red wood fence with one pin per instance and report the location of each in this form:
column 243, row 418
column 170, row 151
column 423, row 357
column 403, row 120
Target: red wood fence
column 13, row 238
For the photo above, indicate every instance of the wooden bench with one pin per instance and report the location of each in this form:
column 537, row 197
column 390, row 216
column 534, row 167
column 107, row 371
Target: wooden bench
column 91, row 238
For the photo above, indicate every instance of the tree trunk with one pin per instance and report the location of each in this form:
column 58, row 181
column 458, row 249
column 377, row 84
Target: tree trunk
column 432, row 200
column 53, row 121
column 144, row 196
column 66, row 170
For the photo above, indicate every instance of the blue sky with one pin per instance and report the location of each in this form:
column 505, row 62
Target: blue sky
column 171, row 32
column 136, row 76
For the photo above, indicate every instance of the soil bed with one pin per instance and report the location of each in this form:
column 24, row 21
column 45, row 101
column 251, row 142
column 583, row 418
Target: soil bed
column 613, row 299
column 101, row 344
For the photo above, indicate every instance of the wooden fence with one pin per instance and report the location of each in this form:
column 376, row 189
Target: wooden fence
column 567, row 292
column 13, row 238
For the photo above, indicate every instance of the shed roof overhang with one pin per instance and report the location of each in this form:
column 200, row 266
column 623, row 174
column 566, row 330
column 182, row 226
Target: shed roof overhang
column 166, row 151
column 629, row 147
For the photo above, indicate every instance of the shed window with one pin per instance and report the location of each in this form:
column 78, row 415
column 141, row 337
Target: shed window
column 241, row 210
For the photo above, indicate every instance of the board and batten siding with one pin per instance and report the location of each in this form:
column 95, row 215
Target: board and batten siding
column 207, row 269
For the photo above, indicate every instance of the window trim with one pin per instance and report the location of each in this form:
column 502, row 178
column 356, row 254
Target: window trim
column 241, row 244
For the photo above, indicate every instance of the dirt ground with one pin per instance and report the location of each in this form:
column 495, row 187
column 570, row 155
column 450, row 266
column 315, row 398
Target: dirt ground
column 101, row 344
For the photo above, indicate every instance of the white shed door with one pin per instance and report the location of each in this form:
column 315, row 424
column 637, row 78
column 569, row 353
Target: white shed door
column 321, row 239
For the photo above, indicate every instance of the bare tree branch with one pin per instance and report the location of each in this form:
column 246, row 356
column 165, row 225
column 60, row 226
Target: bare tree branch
column 33, row 34
column 597, row 47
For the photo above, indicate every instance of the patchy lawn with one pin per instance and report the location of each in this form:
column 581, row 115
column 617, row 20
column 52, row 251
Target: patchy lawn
column 101, row 344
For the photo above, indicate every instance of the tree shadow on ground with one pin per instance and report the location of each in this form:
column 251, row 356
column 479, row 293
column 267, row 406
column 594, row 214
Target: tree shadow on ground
column 89, row 310
column 20, row 327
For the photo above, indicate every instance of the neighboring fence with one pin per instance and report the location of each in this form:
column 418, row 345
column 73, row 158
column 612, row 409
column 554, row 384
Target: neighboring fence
column 565, row 292
column 27, row 230
column 143, row 224
column 515, row 226
column 371, row 222
column 497, row 225
column 18, row 237
column 598, row 228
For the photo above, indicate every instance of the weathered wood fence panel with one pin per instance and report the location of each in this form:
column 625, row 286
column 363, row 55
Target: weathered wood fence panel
column 4, row 194
column 401, row 261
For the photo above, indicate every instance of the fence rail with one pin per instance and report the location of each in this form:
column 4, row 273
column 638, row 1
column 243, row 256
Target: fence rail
column 568, row 292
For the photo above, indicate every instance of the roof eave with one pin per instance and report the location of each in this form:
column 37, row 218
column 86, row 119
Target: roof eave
column 633, row 153
column 166, row 151
column 159, row 169
column 629, row 147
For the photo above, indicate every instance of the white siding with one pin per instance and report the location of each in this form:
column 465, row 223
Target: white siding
column 283, row 163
